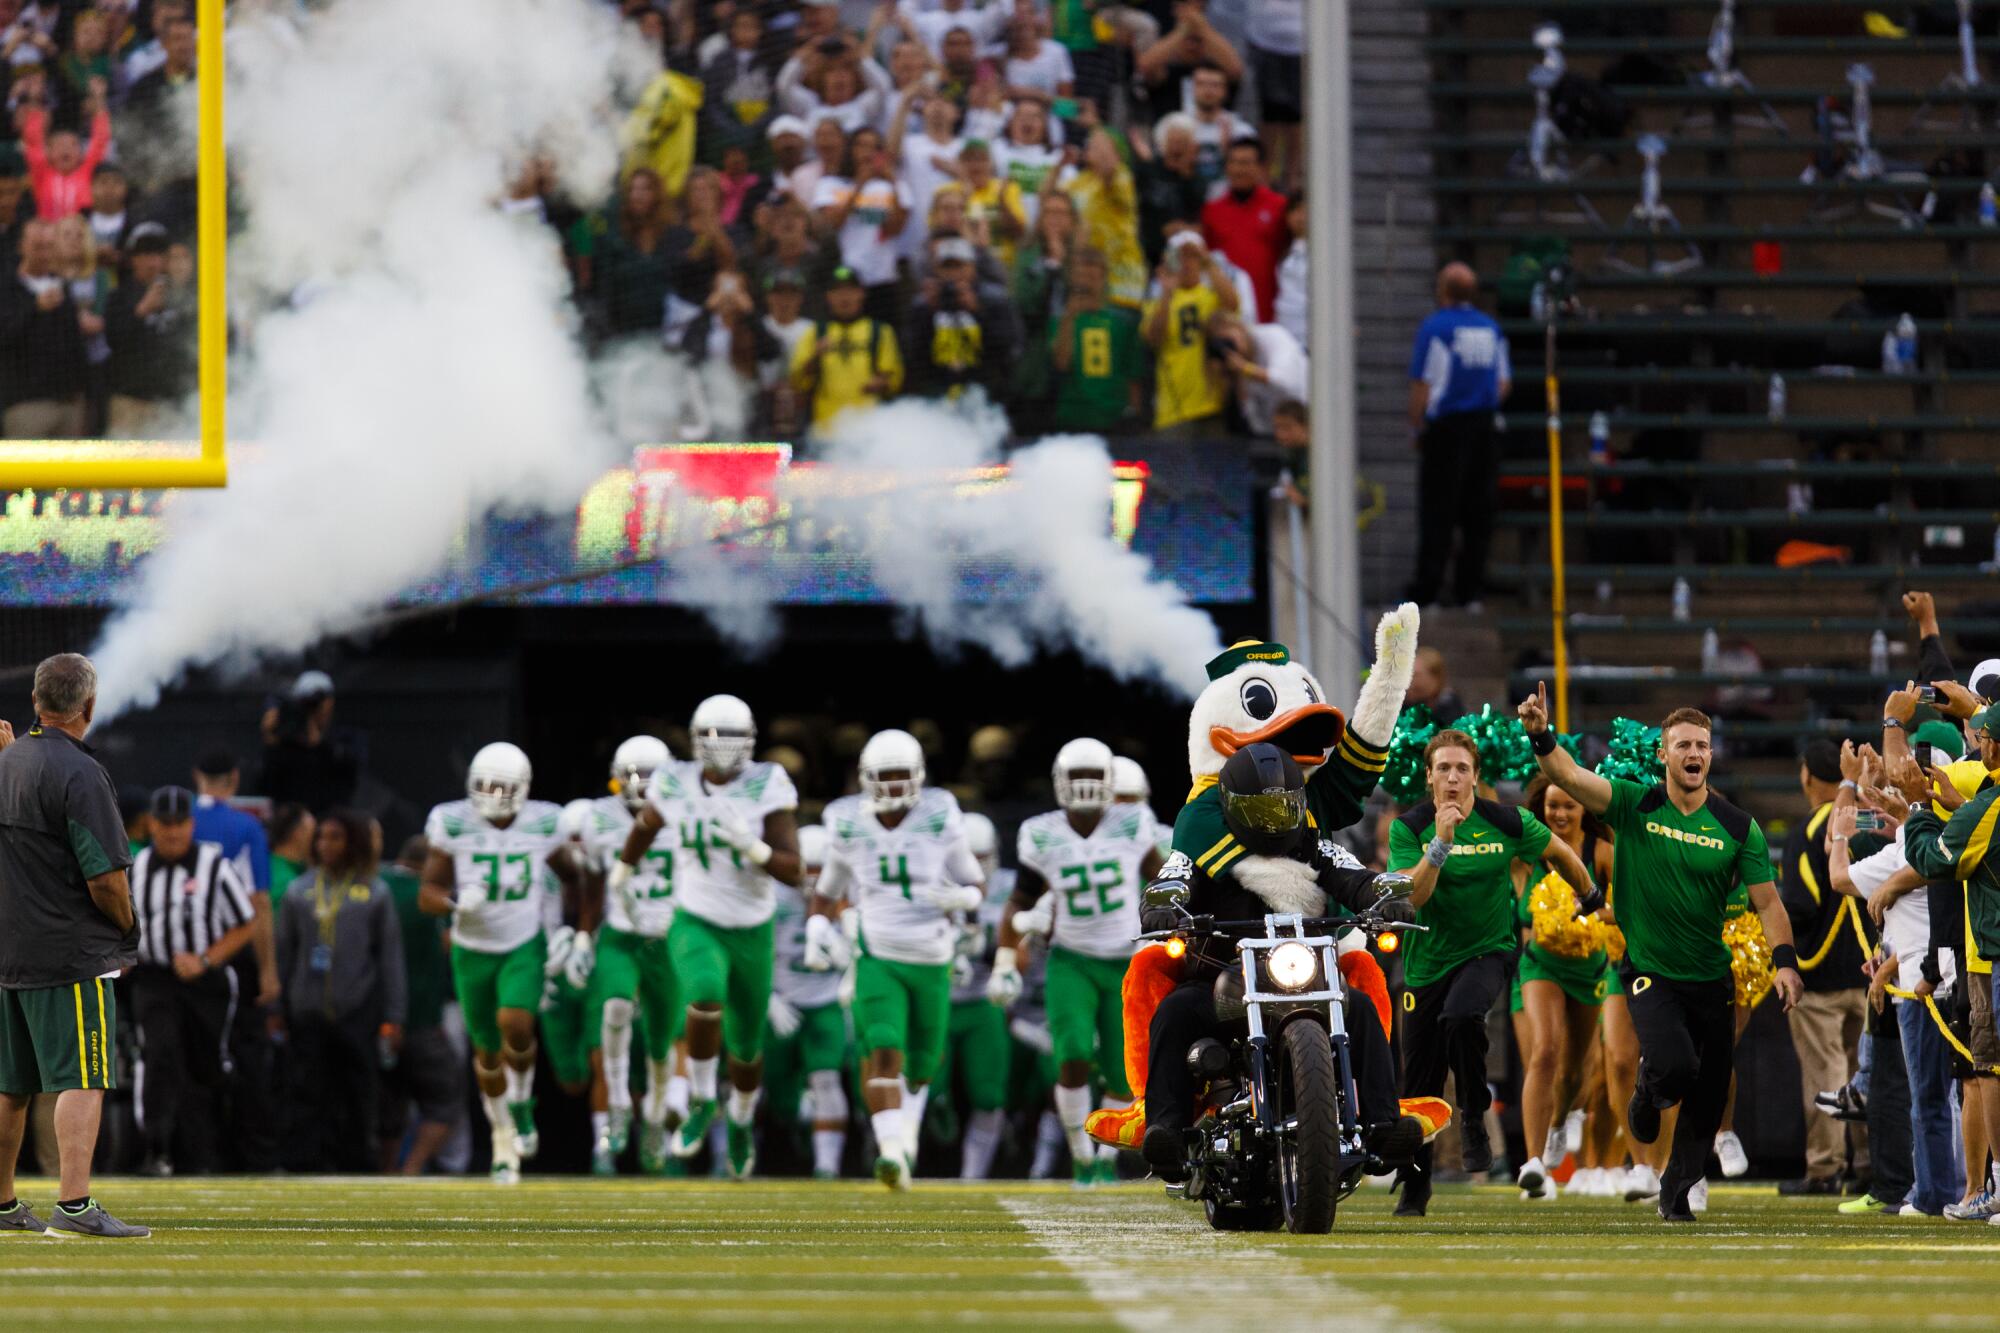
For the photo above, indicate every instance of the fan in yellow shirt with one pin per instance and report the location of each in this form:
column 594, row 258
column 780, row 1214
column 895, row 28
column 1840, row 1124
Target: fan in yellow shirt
column 848, row 360
column 1190, row 388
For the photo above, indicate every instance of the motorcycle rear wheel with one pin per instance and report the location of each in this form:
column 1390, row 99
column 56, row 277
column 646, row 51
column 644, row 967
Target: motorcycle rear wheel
column 1309, row 1157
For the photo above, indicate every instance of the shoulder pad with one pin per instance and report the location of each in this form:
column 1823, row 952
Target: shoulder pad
column 1418, row 817
column 1505, row 818
column 1734, row 820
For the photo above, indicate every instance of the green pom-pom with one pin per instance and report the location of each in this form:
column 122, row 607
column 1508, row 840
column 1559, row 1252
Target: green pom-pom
column 1403, row 777
column 1504, row 752
column 1635, row 752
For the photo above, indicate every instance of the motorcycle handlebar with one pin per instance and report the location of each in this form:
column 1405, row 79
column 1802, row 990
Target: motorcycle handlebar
column 1208, row 925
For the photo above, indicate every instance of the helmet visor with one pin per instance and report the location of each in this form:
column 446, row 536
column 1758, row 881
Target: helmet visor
column 1276, row 812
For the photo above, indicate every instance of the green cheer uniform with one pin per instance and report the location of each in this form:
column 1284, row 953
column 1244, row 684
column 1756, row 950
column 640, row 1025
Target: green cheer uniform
column 1677, row 877
column 1584, row 981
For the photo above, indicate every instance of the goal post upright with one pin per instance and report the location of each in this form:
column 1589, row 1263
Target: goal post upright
column 119, row 465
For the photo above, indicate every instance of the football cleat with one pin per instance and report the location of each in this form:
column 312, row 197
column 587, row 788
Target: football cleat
column 526, row 1137
column 694, row 1130
column 653, row 1141
column 742, row 1151
column 620, row 1128
column 893, row 1171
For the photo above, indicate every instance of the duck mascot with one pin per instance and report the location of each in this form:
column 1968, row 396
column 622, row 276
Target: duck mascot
column 1256, row 692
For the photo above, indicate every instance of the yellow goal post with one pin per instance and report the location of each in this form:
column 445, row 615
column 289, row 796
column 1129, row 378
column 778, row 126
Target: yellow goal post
column 139, row 464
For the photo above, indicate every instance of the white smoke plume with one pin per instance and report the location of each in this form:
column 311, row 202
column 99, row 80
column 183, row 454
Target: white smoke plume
column 426, row 372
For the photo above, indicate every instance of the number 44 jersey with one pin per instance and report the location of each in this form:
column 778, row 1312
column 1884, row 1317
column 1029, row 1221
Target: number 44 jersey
column 882, row 869
column 506, row 892
column 1095, row 880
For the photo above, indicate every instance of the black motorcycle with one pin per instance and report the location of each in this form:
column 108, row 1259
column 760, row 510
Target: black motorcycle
column 1276, row 1136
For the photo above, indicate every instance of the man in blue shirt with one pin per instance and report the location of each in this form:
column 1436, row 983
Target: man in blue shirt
column 1459, row 376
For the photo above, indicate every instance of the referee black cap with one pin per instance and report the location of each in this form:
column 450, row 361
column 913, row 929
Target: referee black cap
column 172, row 805
column 1822, row 759
column 217, row 763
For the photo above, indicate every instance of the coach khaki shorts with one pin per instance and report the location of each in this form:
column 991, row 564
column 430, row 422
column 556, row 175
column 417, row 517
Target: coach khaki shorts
column 1985, row 1043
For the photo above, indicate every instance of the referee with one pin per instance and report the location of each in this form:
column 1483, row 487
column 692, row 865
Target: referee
column 194, row 916
column 65, row 926
column 1681, row 849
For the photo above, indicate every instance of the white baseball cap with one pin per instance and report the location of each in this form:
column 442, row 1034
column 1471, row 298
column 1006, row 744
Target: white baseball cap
column 786, row 125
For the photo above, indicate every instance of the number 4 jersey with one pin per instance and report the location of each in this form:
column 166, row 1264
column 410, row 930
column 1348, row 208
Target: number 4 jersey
column 1095, row 879
column 879, row 869
column 502, row 872
column 651, row 888
column 712, row 879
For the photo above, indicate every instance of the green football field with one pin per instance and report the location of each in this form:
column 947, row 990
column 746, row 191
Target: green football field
column 580, row 1253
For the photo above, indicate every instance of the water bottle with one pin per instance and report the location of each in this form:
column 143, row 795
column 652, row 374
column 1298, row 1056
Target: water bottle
column 1600, row 439
column 1682, row 599
column 1878, row 654
column 1711, row 650
column 1774, row 398
column 1899, row 347
column 1989, row 206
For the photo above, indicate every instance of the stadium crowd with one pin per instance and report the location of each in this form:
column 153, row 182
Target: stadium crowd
column 823, row 205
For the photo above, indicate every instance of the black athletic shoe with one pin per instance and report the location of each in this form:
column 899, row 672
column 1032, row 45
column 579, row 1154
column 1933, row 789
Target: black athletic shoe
column 1810, row 1185
column 1474, row 1147
column 1396, row 1142
column 1679, row 1212
column 1643, row 1117
column 1165, row 1150
column 1416, row 1196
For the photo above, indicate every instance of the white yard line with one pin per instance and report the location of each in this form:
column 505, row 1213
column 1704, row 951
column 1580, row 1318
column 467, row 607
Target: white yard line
column 1154, row 1264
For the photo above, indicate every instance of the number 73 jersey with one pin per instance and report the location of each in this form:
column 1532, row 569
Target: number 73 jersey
column 1094, row 880
column 502, row 874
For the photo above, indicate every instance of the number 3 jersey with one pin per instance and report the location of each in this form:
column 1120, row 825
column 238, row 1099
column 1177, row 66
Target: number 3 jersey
column 651, row 888
column 1095, row 880
column 879, row 869
column 712, row 879
column 502, row 872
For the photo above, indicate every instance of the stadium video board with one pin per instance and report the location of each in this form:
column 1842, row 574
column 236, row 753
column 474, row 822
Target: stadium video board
column 1186, row 507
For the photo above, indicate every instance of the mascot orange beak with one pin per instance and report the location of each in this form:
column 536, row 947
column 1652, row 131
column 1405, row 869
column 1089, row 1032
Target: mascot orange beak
column 1306, row 734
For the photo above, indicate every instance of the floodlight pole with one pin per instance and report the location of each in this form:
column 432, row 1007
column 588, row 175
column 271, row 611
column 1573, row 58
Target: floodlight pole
column 1336, row 557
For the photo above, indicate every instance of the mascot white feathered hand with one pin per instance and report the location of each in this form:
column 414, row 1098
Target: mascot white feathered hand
column 1256, row 692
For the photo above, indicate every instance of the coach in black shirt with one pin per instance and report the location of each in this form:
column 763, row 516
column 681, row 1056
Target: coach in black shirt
column 65, row 923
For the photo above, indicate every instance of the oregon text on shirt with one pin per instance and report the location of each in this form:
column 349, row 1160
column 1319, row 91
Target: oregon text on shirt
column 1462, row 355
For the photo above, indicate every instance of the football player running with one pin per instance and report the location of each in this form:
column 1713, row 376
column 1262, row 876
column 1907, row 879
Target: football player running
column 489, row 866
column 1082, row 869
column 634, row 976
column 979, row 1046
column 898, row 853
column 736, row 838
column 808, row 1024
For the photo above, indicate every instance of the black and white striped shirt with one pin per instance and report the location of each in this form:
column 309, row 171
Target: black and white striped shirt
column 185, row 906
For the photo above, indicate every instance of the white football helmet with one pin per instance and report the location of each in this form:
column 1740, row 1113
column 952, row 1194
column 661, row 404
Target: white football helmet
column 984, row 840
column 633, row 766
column 1082, row 775
column 574, row 821
column 496, row 782
column 724, row 733
column 891, row 751
column 812, row 851
column 1128, row 782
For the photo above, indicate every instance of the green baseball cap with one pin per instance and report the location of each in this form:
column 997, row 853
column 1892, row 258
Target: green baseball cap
column 1987, row 722
column 1245, row 651
column 1940, row 736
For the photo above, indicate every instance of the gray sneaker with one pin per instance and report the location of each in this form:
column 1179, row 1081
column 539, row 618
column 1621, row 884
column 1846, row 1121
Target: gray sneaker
column 20, row 1221
column 92, row 1221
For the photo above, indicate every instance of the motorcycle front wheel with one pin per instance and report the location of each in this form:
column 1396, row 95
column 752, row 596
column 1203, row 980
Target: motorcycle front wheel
column 1309, row 1154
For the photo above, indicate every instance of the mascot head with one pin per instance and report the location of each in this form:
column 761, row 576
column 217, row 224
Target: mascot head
column 1256, row 692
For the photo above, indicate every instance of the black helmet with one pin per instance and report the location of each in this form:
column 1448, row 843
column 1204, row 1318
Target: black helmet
column 1263, row 798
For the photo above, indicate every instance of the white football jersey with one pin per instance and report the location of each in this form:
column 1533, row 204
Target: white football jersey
column 712, row 879
column 651, row 888
column 1161, row 836
column 508, row 866
column 886, row 865
column 1095, row 880
column 799, row 984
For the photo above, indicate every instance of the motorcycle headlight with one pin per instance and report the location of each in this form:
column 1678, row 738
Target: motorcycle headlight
column 1292, row 966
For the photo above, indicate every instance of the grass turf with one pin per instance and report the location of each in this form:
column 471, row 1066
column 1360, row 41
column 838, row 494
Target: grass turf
column 333, row 1253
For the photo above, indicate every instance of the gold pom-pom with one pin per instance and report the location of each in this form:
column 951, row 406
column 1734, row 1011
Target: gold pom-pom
column 1558, row 928
column 1614, row 942
column 1749, row 957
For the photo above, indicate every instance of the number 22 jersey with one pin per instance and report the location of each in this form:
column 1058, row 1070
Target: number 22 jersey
column 1095, row 879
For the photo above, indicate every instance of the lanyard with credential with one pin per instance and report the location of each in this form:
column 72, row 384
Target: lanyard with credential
column 326, row 909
